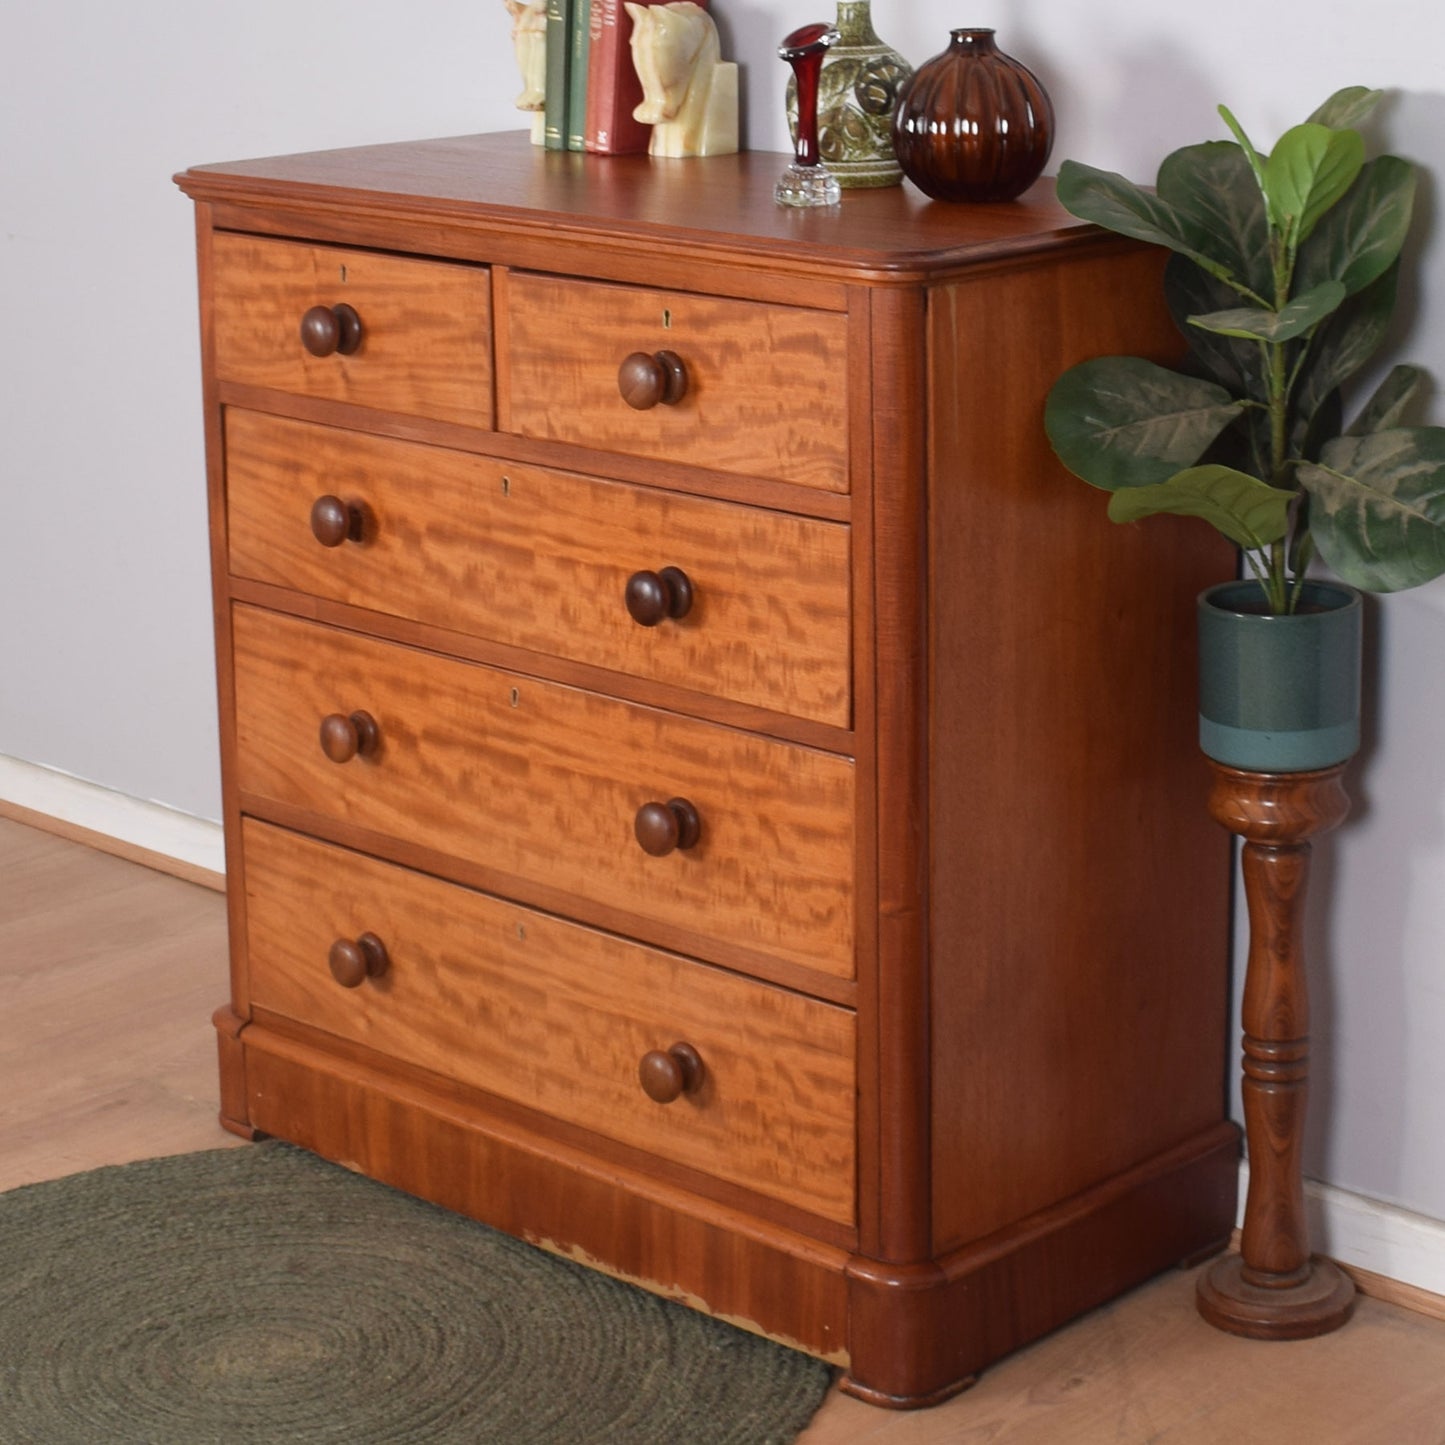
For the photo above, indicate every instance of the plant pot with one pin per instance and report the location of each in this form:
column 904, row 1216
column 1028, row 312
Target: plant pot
column 1279, row 694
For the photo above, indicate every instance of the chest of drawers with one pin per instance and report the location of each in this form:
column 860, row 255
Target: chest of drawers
column 703, row 791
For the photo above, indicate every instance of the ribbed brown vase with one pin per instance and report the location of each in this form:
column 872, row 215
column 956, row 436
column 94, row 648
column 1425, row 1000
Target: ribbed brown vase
column 973, row 124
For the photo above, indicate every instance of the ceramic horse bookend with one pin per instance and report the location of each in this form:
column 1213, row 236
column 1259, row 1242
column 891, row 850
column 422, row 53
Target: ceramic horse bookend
column 529, row 42
column 689, row 94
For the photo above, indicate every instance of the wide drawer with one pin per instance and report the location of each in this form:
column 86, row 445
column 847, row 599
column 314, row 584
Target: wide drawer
column 542, row 559
column 544, row 783
column 559, row 1018
column 425, row 346
column 765, row 385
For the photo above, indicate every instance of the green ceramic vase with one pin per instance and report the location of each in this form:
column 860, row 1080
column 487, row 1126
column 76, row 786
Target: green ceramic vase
column 857, row 92
column 1279, row 694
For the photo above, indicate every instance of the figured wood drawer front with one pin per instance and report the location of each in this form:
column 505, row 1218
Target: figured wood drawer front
column 425, row 327
column 542, row 559
column 559, row 1017
column 545, row 783
column 765, row 385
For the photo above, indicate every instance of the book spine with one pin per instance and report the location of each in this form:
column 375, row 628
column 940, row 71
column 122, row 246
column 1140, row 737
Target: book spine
column 613, row 89
column 580, row 44
column 559, row 14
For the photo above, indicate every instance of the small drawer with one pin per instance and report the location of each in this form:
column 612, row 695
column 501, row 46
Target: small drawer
column 736, row 386
column 554, row 785
column 737, row 602
column 392, row 332
column 557, row 1017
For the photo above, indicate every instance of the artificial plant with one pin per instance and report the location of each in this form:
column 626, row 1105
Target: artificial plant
column 1283, row 281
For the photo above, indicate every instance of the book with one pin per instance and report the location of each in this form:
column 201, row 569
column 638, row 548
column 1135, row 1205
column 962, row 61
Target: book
column 579, row 47
column 613, row 89
column 559, row 15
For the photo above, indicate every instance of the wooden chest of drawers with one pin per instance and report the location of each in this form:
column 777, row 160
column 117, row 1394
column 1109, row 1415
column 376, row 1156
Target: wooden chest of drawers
column 704, row 792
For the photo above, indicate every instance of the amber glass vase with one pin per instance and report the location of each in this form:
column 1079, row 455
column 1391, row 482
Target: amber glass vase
column 973, row 124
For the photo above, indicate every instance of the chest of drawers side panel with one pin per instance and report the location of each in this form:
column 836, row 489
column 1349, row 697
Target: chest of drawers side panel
column 231, row 1018
column 1079, row 890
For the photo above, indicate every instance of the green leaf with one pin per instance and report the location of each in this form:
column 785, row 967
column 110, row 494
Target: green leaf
column 1249, row 512
column 1116, row 203
column 1212, row 188
column 1121, row 421
column 1256, row 161
column 1308, row 171
column 1340, row 348
column 1233, row 363
column 1345, row 109
column 1299, row 316
column 1378, row 507
column 1392, row 399
column 1361, row 238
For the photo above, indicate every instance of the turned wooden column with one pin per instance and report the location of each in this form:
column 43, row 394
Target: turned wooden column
column 1272, row 1289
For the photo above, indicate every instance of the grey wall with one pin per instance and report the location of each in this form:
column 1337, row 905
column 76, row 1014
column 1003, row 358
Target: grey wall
column 105, row 666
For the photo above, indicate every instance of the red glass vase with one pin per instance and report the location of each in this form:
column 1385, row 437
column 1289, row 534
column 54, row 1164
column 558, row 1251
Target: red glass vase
column 973, row 124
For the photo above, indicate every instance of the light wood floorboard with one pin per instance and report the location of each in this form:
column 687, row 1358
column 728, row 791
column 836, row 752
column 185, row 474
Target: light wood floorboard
column 108, row 976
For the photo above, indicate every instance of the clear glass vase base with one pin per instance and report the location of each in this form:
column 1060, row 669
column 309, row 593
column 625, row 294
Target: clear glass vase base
column 807, row 186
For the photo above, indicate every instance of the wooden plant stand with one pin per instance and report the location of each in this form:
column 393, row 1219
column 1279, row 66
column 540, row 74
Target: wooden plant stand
column 1272, row 1289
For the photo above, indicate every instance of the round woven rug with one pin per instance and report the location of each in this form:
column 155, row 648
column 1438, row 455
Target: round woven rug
column 259, row 1295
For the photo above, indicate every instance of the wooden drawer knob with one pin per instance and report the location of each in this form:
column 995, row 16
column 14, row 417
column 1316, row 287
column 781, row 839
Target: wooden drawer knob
column 667, row 1076
column 649, row 379
column 343, row 736
column 652, row 597
column 329, row 329
column 663, row 827
column 334, row 521
column 352, row 962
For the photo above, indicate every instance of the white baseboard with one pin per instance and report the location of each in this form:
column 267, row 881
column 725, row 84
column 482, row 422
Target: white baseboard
column 150, row 826
column 1368, row 1234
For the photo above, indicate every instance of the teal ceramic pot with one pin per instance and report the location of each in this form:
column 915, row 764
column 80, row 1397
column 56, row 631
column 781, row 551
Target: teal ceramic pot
column 1279, row 694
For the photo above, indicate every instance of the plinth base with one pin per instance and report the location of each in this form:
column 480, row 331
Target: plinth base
column 1319, row 1304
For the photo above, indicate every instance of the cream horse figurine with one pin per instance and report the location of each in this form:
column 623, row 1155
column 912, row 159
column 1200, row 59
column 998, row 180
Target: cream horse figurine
column 689, row 95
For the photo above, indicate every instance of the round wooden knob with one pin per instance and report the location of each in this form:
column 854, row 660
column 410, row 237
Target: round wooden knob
column 343, row 736
column 652, row 597
column 352, row 962
column 329, row 329
column 662, row 827
column 334, row 521
column 649, row 379
column 667, row 1076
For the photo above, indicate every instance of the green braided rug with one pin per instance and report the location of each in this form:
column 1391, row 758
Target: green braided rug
column 259, row 1295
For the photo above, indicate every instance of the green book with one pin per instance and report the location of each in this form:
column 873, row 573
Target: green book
column 579, row 48
column 559, row 21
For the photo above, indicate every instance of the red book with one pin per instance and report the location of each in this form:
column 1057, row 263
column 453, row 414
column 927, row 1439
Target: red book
column 613, row 89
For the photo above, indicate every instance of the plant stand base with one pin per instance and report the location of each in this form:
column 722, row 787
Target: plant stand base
column 1272, row 1289
column 1321, row 1302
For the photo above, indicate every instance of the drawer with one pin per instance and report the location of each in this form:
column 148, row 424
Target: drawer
column 545, row 783
column 425, row 346
column 558, row 1017
column 542, row 559
column 765, row 385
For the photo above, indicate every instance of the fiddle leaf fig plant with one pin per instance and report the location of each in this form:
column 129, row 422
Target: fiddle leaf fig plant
column 1282, row 280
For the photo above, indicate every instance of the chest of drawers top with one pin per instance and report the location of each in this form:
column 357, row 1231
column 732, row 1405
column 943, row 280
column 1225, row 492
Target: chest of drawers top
column 497, row 198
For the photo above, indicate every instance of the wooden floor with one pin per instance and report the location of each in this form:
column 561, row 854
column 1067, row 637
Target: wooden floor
column 109, row 973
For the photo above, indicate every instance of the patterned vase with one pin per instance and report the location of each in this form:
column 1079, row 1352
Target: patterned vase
column 856, row 95
column 973, row 124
